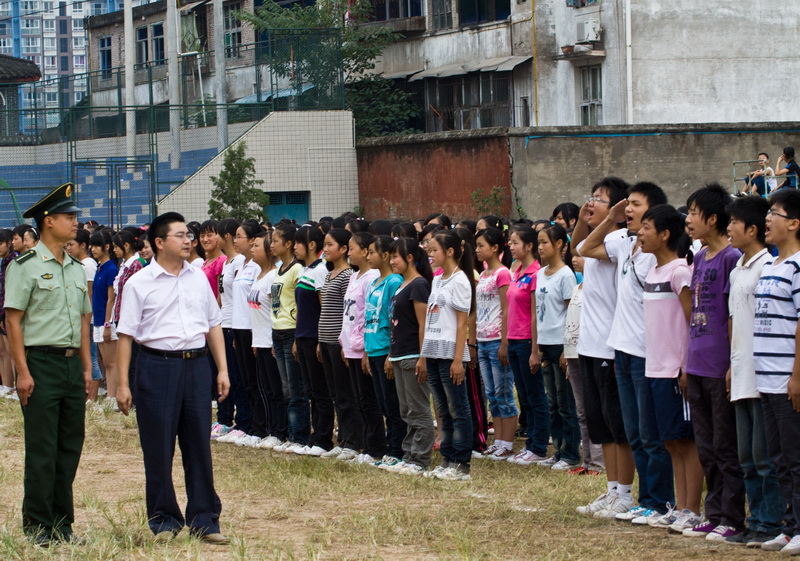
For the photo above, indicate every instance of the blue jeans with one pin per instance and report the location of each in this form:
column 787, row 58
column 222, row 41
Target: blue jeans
column 96, row 374
column 782, row 429
column 760, row 476
column 298, row 408
column 452, row 404
column 532, row 397
column 653, row 462
column 498, row 381
column 564, row 426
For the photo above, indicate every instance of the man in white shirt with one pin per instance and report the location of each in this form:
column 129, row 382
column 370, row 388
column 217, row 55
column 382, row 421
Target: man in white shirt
column 170, row 311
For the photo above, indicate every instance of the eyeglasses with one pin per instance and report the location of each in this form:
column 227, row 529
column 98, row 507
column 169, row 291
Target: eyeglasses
column 597, row 200
column 426, row 243
column 774, row 213
column 182, row 236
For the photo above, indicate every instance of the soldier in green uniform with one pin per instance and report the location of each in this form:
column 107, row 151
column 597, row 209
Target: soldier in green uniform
column 47, row 319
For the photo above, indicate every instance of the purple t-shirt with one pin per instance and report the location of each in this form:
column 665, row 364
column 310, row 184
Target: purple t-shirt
column 709, row 351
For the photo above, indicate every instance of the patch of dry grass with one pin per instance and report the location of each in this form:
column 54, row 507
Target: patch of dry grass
column 292, row 508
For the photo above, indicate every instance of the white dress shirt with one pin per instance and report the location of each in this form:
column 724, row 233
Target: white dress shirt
column 167, row 312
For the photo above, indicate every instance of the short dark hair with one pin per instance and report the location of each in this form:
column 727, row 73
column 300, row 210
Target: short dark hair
column 789, row 152
column 617, row 189
column 789, row 201
column 763, row 154
column 654, row 194
column 711, row 200
column 751, row 211
column 159, row 228
column 665, row 217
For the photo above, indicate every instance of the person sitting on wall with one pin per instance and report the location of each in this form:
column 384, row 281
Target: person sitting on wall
column 790, row 168
column 757, row 181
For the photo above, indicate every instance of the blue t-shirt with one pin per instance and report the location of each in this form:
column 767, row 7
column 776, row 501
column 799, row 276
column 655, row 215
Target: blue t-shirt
column 106, row 273
column 377, row 333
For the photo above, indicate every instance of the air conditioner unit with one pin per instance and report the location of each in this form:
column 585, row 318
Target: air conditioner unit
column 588, row 30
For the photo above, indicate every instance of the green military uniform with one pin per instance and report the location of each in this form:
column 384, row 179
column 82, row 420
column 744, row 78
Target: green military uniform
column 53, row 297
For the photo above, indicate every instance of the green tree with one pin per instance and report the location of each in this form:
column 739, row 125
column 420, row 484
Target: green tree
column 378, row 106
column 235, row 193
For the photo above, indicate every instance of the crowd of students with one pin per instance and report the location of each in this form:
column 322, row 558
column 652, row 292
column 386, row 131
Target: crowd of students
column 634, row 337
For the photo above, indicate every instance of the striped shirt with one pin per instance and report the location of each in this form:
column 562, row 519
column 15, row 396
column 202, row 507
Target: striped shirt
column 332, row 295
column 777, row 310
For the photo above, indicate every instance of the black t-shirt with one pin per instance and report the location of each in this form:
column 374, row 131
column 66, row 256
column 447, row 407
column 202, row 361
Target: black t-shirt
column 403, row 318
column 792, row 175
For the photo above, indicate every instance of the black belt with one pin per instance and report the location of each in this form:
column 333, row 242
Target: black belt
column 67, row 352
column 185, row 355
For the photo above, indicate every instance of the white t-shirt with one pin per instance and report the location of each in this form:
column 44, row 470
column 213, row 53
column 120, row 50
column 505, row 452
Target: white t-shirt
column 572, row 328
column 229, row 271
column 260, row 303
column 742, row 306
column 599, row 302
column 240, row 309
column 90, row 268
column 552, row 293
column 198, row 263
column 448, row 296
column 627, row 329
column 489, row 311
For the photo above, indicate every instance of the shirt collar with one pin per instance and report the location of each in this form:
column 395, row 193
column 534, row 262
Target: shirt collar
column 129, row 261
column 753, row 259
column 157, row 270
column 47, row 255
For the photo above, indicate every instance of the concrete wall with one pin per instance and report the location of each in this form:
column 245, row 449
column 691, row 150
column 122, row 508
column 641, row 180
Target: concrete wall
column 413, row 176
column 295, row 151
column 551, row 166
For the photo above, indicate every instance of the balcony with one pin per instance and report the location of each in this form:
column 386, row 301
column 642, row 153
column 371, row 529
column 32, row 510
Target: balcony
column 408, row 26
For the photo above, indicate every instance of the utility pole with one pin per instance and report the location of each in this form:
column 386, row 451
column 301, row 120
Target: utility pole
column 174, row 81
column 221, row 81
column 130, row 81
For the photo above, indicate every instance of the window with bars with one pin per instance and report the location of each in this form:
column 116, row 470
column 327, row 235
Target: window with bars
column 442, row 14
column 472, row 101
column 233, row 29
column 591, row 106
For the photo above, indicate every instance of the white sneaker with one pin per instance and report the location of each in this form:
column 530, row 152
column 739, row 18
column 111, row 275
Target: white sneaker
column 561, row 465
column 776, row 543
column 596, row 505
column 283, row 447
column 315, row 451
column 434, row 472
column 548, row 462
column 332, row 453
column 411, row 469
column 250, row 441
column 299, row 449
column 12, row 395
column 396, row 468
column 629, row 515
column 793, row 547
column 102, row 391
column 347, row 454
column 525, row 458
column 619, row 505
column 4, row 390
column 362, row 459
column 231, row 436
column 454, row 473
column 270, row 442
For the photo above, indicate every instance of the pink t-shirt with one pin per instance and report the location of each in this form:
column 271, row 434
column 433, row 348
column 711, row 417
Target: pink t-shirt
column 666, row 326
column 489, row 310
column 519, row 301
column 352, row 336
column 213, row 270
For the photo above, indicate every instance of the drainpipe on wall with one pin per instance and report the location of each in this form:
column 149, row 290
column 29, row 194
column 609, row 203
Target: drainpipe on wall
column 130, row 81
column 535, row 66
column 628, row 64
column 174, row 82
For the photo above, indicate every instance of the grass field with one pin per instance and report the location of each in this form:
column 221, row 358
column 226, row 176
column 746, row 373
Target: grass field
column 291, row 508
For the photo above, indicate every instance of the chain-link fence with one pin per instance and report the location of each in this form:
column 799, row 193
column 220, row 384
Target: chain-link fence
column 49, row 141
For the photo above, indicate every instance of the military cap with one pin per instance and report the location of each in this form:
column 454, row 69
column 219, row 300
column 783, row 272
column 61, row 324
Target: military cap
column 59, row 200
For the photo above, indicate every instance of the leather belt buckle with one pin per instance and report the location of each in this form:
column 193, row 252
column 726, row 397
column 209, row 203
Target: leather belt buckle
column 69, row 353
column 187, row 355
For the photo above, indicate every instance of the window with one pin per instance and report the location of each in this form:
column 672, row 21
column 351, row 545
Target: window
column 77, row 25
column 49, row 25
column 77, row 8
column 37, row 60
column 157, row 32
column 48, row 6
column 31, row 26
column 480, row 11
column 472, row 101
column 5, row 9
column 442, row 13
column 30, row 6
column 30, row 45
column 591, row 96
column 5, row 27
column 49, row 43
column 79, row 61
column 78, row 43
column 393, row 9
column 104, row 48
column 31, row 99
column 62, row 26
column 51, row 98
column 63, row 44
column 50, row 62
column 6, row 47
column 141, row 45
column 62, row 9
column 64, row 63
column 233, row 30
column 79, row 96
column 580, row 3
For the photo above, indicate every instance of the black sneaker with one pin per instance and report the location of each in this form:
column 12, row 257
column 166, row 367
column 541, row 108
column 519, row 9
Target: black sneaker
column 755, row 539
column 741, row 537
